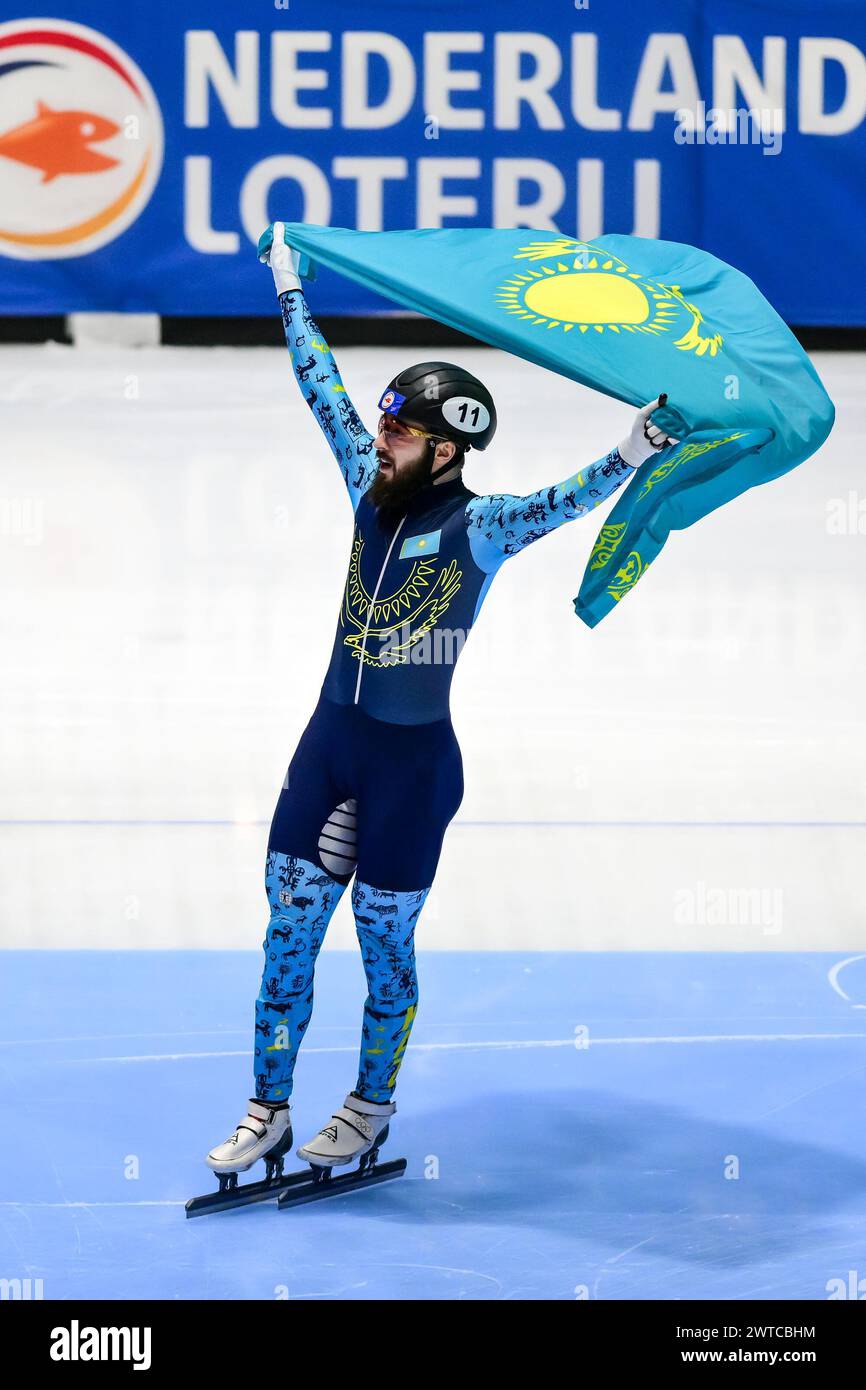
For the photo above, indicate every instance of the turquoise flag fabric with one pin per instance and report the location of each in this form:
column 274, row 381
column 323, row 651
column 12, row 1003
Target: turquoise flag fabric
column 631, row 317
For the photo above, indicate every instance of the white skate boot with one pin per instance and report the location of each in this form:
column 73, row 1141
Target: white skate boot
column 357, row 1128
column 264, row 1132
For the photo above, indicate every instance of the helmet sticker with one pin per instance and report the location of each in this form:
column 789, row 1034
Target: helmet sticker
column 391, row 401
column 466, row 414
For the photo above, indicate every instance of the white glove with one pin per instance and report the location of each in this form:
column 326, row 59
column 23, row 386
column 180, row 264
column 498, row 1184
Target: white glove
column 283, row 261
column 645, row 438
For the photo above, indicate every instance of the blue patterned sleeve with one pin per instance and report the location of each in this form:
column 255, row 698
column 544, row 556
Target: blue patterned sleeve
column 319, row 378
column 501, row 525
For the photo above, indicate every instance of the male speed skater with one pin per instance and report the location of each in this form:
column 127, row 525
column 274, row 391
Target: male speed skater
column 424, row 552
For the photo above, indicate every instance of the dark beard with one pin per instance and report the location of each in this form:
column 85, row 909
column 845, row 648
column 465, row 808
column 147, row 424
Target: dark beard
column 389, row 495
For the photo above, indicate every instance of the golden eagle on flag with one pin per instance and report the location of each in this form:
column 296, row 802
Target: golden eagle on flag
column 619, row 314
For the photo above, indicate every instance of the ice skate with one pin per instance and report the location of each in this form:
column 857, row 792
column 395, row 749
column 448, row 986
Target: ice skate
column 356, row 1131
column 265, row 1132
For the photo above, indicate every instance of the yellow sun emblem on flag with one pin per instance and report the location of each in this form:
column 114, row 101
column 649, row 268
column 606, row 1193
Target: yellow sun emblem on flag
column 573, row 284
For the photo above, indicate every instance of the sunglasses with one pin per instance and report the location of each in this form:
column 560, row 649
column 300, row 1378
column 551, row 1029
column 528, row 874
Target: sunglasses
column 392, row 428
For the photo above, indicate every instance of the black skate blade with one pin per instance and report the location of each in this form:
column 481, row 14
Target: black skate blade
column 243, row 1195
column 313, row 1189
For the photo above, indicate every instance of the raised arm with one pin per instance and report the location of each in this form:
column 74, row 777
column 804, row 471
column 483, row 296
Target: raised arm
column 317, row 373
column 501, row 525
column 318, row 376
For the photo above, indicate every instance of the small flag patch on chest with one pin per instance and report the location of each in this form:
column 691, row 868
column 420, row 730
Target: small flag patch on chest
column 427, row 544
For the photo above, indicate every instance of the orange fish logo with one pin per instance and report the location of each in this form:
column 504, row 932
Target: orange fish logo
column 81, row 139
column 58, row 142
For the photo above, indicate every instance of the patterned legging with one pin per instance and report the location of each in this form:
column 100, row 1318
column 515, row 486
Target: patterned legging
column 302, row 900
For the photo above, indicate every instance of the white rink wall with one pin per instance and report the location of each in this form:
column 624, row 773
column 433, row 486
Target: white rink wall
column 174, row 536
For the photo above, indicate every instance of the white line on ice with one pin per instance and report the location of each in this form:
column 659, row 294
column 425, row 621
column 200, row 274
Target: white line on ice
column 585, row 1044
column 353, row 1027
column 94, row 1204
column 833, row 977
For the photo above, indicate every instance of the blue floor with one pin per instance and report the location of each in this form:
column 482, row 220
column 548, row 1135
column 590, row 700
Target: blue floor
column 536, row 1169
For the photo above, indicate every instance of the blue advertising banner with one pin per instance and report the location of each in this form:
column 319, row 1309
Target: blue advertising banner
column 144, row 149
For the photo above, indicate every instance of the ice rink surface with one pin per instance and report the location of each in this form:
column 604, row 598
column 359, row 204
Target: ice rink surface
column 661, row 842
column 576, row 1125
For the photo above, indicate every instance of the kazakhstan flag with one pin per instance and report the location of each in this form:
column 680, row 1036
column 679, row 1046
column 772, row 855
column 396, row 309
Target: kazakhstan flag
column 621, row 314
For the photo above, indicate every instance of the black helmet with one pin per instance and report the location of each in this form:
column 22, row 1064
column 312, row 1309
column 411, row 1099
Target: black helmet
column 444, row 399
